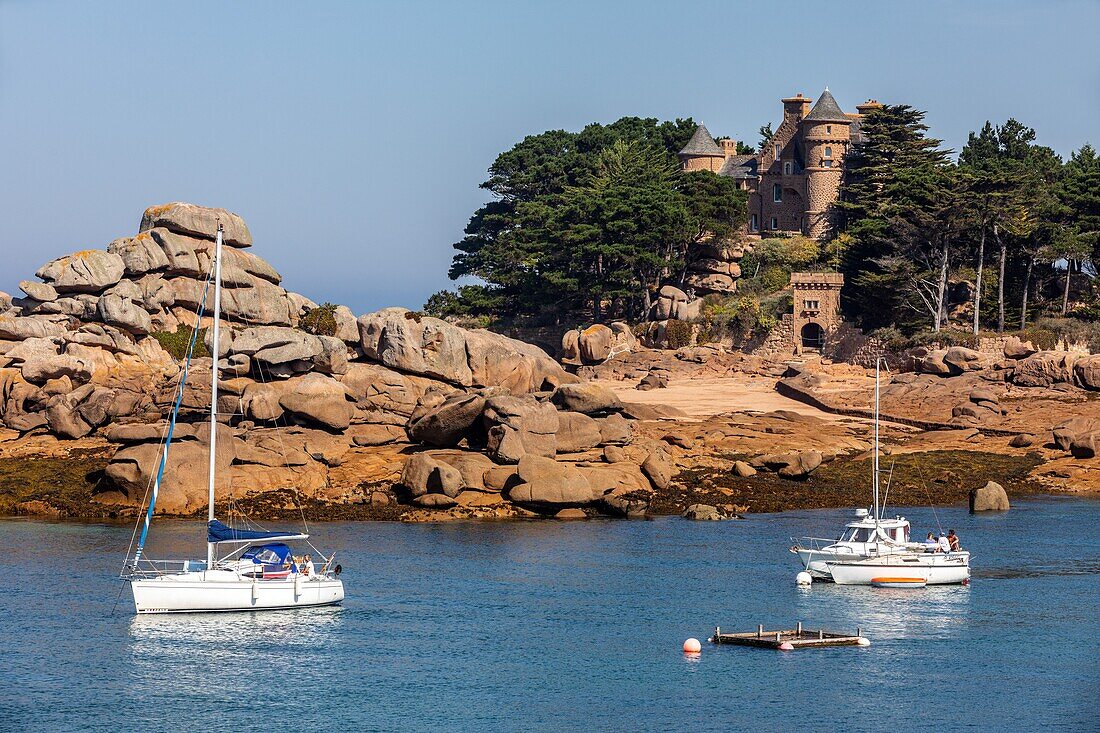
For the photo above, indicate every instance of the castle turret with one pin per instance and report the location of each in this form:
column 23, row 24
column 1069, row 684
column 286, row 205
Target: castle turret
column 702, row 153
column 826, row 133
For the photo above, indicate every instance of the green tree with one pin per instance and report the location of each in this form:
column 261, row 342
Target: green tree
column 900, row 206
column 716, row 207
column 1080, row 194
column 580, row 220
column 1008, row 180
column 621, row 226
column 766, row 135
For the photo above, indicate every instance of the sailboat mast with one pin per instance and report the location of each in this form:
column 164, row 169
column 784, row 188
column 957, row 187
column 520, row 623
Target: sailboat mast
column 214, row 353
column 875, row 483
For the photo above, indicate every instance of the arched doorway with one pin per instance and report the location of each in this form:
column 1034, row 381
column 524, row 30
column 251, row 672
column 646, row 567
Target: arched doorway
column 813, row 336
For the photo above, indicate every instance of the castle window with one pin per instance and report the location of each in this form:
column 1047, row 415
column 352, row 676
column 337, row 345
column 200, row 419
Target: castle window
column 828, row 129
column 777, row 193
column 775, row 222
column 778, row 150
column 786, row 169
column 827, row 163
column 828, row 152
column 754, row 223
column 812, row 305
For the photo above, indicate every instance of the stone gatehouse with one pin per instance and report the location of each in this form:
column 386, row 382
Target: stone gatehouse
column 816, row 313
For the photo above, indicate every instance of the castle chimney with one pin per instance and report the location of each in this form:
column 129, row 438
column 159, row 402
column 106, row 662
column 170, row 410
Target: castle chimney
column 729, row 147
column 867, row 106
column 796, row 106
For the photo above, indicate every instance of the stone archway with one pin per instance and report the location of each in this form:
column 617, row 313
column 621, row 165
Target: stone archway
column 812, row 336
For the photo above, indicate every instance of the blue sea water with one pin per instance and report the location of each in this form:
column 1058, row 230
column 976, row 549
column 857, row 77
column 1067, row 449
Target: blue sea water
column 546, row 626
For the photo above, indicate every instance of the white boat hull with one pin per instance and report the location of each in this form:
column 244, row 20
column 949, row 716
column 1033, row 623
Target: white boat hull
column 219, row 590
column 933, row 568
column 816, row 562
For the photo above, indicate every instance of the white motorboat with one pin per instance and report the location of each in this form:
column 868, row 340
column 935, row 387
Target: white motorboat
column 874, row 546
column 934, row 568
column 259, row 570
column 863, row 538
column 870, row 535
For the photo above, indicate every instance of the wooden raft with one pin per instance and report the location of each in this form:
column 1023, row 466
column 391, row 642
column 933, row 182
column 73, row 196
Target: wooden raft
column 798, row 638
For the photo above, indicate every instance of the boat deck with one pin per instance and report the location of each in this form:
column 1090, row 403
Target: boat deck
column 798, row 638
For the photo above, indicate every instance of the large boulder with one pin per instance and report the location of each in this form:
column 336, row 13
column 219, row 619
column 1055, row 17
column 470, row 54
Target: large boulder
column 90, row 271
column 183, row 489
column 571, row 347
column 40, row 369
column 990, row 498
column 433, row 348
column 197, row 221
column 18, row 328
column 933, row 363
column 673, row 303
column 1078, row 436
column 577, row 432
column 1087, row 371
column 792, row 464
column 43, row 292
column 117, row 310
column 516, row 426
column 384, row 395
column 317, row 398
column 586, row 397
column 961, row 359
column 595, row 344
column 658, row 467
column 519, row 367
column 1045, row 369
column 702, row 512
column 1014, row 348
column 422, row 474
column 545, row 482
column 140, row 254
column 448, row 423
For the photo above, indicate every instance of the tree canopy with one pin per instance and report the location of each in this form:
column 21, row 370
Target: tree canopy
column 589, row 221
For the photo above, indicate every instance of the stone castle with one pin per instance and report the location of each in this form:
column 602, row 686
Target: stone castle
column 795, row 177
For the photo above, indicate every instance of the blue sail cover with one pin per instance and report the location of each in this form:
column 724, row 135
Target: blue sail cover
column 218, row 532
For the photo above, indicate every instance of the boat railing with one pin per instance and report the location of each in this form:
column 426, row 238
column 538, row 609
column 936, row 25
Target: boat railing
column 146, row 568
column 812, row 543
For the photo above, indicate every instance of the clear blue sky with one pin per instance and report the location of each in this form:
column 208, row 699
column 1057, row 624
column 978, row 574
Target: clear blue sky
column 352, row 136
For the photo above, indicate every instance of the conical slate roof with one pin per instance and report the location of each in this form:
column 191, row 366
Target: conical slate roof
column 827, row 110
column 701, row 143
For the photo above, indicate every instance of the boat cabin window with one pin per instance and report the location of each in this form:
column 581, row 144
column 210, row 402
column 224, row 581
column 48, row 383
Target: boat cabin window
column 860, row 534
column 265, row 556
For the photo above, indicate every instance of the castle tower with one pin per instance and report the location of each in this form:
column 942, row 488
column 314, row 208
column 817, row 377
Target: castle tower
column 826, row 133
column 702, row 153
column 816, row 308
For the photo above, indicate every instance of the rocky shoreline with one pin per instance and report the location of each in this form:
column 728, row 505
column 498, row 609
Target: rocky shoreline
column 396, row 415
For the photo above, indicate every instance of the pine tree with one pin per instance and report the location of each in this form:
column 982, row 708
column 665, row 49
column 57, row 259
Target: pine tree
column 899, row 205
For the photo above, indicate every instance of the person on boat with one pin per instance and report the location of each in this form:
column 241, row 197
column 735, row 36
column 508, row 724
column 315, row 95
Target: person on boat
column 945, row 544
column 931, row 544
column 309, row 570
column 953, row 540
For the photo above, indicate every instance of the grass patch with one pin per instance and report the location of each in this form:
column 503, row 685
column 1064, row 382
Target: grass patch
column 919, row 479
column 176, row 342
column 66, row 484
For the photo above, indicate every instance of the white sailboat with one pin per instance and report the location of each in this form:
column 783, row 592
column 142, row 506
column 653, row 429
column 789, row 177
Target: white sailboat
column 876, row 547
column 259, row 570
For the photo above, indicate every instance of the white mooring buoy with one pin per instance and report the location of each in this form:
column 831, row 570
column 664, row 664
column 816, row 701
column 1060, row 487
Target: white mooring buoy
column 692, row 646
column 804, row 578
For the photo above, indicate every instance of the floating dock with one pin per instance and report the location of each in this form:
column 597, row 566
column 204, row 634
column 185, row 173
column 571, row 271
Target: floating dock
column 789, row 639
